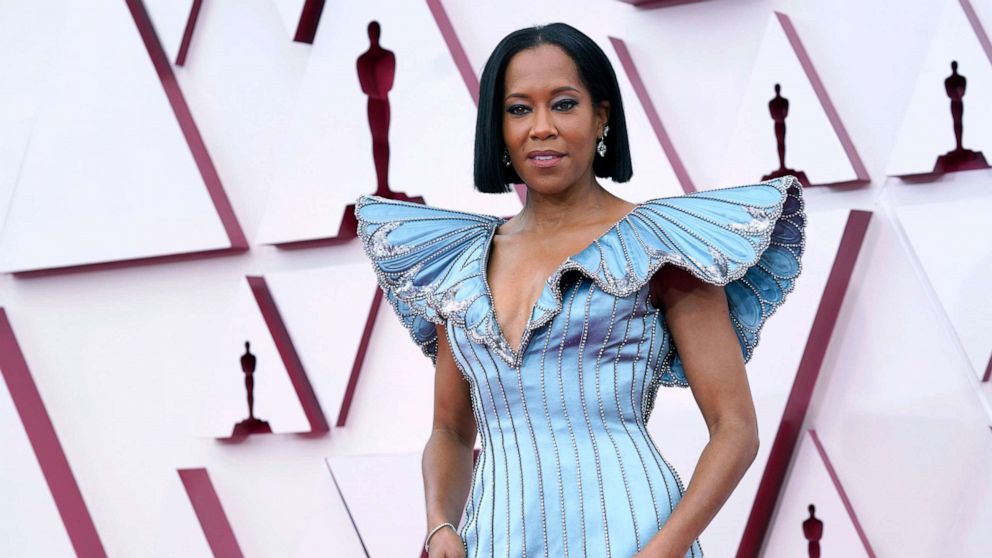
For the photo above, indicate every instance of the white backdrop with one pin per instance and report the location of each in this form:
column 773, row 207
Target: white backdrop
column 136, row 360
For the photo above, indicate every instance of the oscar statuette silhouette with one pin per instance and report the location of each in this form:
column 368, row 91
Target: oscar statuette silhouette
column 250, row 425
column 376, row 71
column 778, row 108
column 813, row 531
column 958, row 158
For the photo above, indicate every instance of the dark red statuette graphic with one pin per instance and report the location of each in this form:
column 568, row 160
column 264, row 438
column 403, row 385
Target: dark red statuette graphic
column 376, row 69
column 252, row 424
column 958, row 158
column 813, row 531
column 778, row 109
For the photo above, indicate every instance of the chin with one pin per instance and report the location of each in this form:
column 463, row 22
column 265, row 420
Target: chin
column 548, row 184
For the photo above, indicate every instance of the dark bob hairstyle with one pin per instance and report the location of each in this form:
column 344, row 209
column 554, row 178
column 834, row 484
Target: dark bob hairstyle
column 596, row 72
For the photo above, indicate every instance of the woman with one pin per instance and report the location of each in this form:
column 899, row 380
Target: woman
column 559, row 376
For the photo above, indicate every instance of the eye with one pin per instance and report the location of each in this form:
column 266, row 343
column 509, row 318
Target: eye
column 568, row 102
column 512, row 108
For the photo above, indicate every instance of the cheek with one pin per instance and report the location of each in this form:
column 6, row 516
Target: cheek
column 580, row 144
column 578, row 135
column 514, row 133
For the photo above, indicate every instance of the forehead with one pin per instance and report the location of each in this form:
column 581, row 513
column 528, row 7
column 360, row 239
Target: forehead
column 540, row 69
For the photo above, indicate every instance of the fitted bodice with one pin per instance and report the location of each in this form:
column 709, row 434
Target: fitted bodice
column 567, row 466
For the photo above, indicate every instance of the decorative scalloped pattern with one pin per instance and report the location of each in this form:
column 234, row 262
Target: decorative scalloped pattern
column 717, row 235
column 756, row 286
column 420, row 255
column 750, row 238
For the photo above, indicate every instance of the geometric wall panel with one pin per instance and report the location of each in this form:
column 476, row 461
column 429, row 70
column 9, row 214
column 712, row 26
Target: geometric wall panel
column 277, row 498
column 812, row 481
column 384, row 495
column 927, row 126
column 108, row 174
column 393, row 370
column 290, row 357
column 816, row 141
column 948, row 226
column 327, row 159
column 24, row 396
column 315, row 304
column 210, row 512
column 243, row 97
column 170, row 18
column 289, row 14
column 275, row 397
column 25, row 55
column 899, row 409
column 14, row 135
column 814, row 361
column 667, row 174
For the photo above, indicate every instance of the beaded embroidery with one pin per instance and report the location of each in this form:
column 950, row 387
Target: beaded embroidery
column 431, row 265
column 765, row 244
column 442, row 239
column 660, row 248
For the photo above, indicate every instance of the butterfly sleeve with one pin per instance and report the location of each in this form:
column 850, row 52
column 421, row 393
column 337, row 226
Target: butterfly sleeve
column 748, row 238
column 415, row 250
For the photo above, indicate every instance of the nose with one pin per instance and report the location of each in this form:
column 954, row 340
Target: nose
column 543, row 125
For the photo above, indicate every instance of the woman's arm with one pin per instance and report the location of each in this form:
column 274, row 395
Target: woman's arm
column 698, row 319
column 447, row 460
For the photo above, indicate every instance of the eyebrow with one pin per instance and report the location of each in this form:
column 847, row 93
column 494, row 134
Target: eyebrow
column 554, row 91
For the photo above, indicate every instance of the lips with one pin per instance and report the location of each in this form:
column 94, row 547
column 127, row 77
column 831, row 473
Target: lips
column 545, row 154
column 545, row 159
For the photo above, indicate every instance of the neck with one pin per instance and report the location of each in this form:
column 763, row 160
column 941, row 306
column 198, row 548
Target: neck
column 584, row 202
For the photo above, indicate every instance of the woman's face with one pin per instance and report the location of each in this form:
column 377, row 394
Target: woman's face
column 546, row 108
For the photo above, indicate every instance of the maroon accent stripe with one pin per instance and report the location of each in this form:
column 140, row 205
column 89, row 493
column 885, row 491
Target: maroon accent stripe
column 667, row 145
column 462, row 63
column 45, row 443
column 787, row 437
column 287, row 351
column 658, row 3
column 194, row 14
column 346, row 231
column 455, row 48
column 306, row 30
column 186, row 123
column 841, row 492
column 821, row 93
column 363, row 345
column 123, row 264
column 976, row 25
column 209, row 512
column 988, row 370
column 313, row 242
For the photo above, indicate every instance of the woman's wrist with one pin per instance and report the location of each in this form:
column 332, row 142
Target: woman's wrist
column 427, row 541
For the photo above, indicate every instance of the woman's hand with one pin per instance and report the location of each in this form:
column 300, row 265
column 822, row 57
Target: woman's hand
column 447, row 544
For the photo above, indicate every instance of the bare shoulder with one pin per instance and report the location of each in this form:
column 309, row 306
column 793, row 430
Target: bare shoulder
column 671, row 281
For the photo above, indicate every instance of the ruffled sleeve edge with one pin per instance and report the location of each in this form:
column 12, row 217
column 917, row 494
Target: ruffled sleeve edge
column 407, row 313
column 671, row 374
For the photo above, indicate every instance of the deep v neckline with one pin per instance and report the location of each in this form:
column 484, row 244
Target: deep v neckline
column 516, row 354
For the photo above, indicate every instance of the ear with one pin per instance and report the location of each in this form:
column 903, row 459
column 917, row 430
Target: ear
column 603, row 113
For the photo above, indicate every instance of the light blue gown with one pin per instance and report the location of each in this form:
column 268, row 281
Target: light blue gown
column 567, row 467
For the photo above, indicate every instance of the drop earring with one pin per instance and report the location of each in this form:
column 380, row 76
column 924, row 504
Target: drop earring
column 601, row 146
column 506, row 157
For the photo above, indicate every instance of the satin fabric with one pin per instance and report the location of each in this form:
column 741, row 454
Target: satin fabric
column 567, row 466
